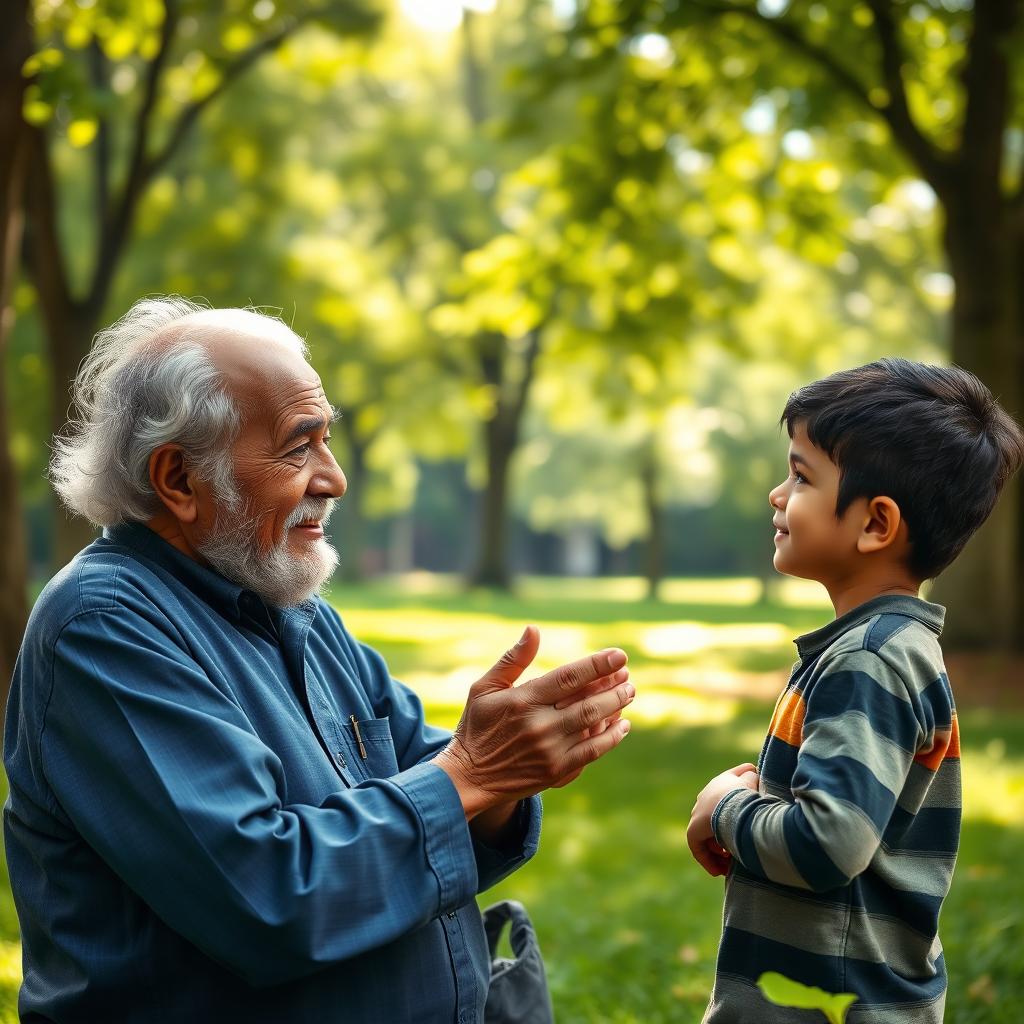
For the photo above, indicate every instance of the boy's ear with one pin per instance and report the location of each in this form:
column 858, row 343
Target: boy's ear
column 881, row 526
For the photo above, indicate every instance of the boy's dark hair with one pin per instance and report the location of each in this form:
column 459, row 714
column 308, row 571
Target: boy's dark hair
column 932, row 438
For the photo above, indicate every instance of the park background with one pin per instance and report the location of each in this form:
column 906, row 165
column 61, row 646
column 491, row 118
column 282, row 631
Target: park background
column 560, row 263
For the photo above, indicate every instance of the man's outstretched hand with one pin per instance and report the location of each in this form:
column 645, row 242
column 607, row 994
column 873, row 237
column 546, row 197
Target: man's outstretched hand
column 514, row 741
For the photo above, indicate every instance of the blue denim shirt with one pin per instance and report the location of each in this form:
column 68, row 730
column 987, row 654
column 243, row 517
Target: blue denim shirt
column 193, row 831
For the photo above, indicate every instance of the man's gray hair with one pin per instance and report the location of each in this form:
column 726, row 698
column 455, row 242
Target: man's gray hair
column 148, row 381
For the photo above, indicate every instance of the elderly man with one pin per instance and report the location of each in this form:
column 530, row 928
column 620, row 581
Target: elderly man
column 222, row 807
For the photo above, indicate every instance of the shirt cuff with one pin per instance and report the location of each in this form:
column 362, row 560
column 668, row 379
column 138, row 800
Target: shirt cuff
column 726, row 814
column 493, row 864
column 446, row 839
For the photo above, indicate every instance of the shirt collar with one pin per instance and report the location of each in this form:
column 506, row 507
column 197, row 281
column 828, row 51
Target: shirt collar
column 232, row 599
column 930, row 615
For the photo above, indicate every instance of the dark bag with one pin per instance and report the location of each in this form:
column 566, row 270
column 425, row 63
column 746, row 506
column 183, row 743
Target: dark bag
column 519, row 987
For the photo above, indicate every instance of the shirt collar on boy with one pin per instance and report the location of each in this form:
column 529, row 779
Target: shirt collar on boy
column 930, row 615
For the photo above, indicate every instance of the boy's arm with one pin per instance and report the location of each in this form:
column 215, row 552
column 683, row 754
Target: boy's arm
column 862, row 728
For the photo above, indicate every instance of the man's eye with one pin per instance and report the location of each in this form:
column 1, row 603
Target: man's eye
column 302, row 450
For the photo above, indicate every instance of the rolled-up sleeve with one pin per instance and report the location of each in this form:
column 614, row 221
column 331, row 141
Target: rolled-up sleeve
column 163, row 775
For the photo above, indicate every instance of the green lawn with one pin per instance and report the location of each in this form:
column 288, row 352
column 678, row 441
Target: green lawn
column 628, row 924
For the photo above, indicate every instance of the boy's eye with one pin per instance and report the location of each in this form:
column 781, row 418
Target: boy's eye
column 799, row 477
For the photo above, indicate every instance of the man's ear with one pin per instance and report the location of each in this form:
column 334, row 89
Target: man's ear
column 881, row 525
column 171, row 479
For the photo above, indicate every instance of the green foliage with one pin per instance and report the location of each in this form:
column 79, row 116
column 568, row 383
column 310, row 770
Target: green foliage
column 783, row 991
column 418, row 206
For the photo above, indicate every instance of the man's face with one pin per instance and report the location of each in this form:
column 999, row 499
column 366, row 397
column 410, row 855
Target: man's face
column 810, row 541
column 266, row 532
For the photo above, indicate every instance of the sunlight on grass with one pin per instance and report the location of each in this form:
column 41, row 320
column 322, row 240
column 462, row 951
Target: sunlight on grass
column 613, row 882
column 794, row 593
column 993, row 785
column 737, row 591
column 10, row 981
column 681, row 638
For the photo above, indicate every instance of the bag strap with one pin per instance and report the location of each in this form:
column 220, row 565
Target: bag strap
column 521, row 936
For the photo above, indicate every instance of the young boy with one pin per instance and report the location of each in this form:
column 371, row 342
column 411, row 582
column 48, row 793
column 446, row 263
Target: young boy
column 840, row 849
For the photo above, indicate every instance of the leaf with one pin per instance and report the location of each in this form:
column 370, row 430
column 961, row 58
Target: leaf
column 82, row 131
column 783, row 991
column 45, row 59
column 120, row 42
column 36, row 112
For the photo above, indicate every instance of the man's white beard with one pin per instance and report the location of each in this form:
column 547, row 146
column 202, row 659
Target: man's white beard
column 276, row 576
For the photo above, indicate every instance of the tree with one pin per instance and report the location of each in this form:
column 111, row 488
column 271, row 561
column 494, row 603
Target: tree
column 183, row 59
column 939, row 79
column 15, row 49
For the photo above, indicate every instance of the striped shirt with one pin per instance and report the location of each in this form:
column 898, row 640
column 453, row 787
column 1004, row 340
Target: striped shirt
column 842, row 860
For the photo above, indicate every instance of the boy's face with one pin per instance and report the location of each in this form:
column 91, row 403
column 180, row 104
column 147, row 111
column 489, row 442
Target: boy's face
column 810, row 541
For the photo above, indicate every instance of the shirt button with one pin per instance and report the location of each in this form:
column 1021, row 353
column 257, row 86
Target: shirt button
column 450, row 915
column 341, row 760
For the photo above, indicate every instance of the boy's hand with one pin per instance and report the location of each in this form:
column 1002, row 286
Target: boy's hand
column 714, row 859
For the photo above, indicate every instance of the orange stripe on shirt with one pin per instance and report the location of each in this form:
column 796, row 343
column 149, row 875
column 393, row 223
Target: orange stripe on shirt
column 945, row 743
column 788, row 720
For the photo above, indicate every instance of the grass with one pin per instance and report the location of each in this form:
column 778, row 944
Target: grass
column 628, row 924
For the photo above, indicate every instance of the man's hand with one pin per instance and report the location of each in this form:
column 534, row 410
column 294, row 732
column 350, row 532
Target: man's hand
column 712, row 857
column 514, row 741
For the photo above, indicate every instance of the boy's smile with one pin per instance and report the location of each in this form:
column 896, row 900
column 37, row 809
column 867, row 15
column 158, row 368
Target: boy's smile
column 857, row 555
column 810, row 541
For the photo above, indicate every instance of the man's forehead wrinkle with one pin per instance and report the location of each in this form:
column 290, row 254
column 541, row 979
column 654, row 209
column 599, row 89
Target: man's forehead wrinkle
column 303, row 403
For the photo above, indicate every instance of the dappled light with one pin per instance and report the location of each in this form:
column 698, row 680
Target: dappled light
column 614, row 882
column 558, row 264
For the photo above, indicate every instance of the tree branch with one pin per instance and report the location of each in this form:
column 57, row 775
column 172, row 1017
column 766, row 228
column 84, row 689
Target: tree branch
column 987, row 85
column 191, row 113
column 143, row 167
column 115, row 228
column 45, row 256
column 924, row 155
column 897, row 112
column 101, row 150
column 533, row 346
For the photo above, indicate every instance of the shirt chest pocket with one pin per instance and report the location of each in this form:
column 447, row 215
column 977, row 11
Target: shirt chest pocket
column 376, row 749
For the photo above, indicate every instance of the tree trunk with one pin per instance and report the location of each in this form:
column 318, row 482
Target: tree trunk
column 983, row 588
column 70, row 331
column 15, row 48
column 501, row 438
column 654, row 549
column 511, row 377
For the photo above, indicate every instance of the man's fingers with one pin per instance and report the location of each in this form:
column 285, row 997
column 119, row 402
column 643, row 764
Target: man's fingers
column 567, row 680
column 511, row 665
column 598, row 686
column 593, row 710
column 590, row 749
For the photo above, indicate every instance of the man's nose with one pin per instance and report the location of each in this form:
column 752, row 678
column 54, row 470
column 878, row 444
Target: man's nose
column 330, row 480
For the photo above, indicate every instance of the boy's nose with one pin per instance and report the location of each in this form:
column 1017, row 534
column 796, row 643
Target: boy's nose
column 776, row 497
